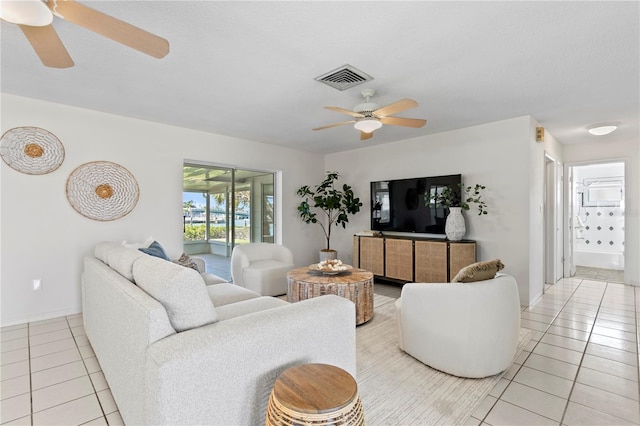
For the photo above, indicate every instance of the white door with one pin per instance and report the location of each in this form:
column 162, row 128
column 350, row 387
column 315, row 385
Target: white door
column 559, row 234
column 569, row 265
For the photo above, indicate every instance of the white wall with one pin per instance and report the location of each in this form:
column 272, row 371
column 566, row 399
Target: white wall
column 498, row 155
column 629, row 151
column 42, row 236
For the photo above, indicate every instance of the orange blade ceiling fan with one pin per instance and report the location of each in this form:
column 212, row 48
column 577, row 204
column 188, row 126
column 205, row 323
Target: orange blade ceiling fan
column 369, row 117
column 34, row 17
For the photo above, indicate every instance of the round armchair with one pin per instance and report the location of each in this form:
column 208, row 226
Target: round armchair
column 464, row 329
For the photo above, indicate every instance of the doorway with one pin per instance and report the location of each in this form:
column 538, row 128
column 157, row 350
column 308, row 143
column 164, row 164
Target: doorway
column 226, row 206
column 596, row 217
column 553, row 194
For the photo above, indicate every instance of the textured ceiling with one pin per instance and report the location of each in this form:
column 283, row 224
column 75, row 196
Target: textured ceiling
column 247, row 69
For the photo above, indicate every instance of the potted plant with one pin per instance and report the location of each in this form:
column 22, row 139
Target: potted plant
column 334, row 205
column 456, row 201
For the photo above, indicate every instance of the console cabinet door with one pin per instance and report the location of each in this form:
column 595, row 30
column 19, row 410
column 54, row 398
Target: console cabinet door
column 399, row 259
column 431, row 261
column 372, row 255
column 356, row 251
column 460, row 255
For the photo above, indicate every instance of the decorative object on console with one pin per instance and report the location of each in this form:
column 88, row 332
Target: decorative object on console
column 102, row 190
column 335, row 205
column 454, row 227
column 31, row 150
column 457, row 201
column 479, row 271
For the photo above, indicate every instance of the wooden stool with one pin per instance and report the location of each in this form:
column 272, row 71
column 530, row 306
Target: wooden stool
column 315, row 394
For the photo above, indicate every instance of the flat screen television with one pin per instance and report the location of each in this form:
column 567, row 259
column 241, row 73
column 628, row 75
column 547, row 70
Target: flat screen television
column 399, row 205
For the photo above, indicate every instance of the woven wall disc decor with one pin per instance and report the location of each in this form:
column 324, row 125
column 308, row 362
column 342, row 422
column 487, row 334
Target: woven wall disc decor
column 101, row 190
column 31, row 150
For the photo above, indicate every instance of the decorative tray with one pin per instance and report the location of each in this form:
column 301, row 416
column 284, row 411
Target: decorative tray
column 328, row 271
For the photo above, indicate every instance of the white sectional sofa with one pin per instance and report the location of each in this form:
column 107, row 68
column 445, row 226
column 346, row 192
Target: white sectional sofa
column 198, row 354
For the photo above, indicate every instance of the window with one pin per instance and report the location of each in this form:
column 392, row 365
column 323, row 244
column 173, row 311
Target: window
column 225, row 206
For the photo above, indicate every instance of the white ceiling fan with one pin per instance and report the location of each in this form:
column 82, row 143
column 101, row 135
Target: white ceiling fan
column 370, row 116
column 34, row 17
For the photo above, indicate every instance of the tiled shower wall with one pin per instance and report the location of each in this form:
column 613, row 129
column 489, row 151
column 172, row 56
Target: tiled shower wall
column 603, row 229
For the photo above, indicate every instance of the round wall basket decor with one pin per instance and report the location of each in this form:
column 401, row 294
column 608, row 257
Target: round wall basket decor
column 102, row 190
column 31, row 150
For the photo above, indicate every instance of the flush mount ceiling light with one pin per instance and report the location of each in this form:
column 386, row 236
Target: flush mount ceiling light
column 26, row 12
column 368, row 125
column 602, row 128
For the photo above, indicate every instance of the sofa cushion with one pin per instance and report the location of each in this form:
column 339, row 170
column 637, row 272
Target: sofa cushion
column 143, row 244
column 102, row 250
column 180, row 290
column 121, row 259
column 155, row 249
column 248, row 306
column 479, row 271
column 211, row 279
column 226, row 293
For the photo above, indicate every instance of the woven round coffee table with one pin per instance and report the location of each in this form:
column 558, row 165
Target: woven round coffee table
column 354, row 284
column 315, row 394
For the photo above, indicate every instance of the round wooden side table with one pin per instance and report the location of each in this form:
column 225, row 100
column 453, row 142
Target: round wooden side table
column 354, row 284
column 315, row 394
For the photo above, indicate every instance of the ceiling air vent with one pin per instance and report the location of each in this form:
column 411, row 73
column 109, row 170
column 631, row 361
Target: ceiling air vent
column 344, row 77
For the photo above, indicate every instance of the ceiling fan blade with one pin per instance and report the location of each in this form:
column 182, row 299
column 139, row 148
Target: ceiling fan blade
column 345, row 111
column 364, row 136
column 334, row 125
column 110, row 27
column 395, row 107
column 400, row 121
column 48, row 46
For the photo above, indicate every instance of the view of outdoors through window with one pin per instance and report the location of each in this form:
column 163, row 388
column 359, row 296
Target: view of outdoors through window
column 195, row 216
column 223, row 207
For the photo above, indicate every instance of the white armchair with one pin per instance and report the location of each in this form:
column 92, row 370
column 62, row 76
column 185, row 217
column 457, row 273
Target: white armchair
column 261, row 267
column 464, row 329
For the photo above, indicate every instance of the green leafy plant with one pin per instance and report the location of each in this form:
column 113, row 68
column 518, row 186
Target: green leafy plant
column 467, row 196
column 334, row 205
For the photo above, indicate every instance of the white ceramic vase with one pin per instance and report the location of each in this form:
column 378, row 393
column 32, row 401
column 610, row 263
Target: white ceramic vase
column 454, row 227
column 328, row 254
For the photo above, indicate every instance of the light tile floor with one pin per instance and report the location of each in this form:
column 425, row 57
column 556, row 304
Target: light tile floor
column 600, row 274
column 580, row 368
column 50, row 376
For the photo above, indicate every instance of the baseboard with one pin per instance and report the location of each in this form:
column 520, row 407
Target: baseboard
column 42, row 317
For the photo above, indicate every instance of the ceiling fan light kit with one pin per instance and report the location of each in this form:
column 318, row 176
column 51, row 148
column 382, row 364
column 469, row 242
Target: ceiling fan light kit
column 370, row 116
column 368, row 125
column 26, row 12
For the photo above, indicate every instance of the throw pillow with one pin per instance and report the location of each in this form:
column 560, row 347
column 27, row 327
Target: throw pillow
column 187, row 262
column 155, row 249
column 478, row 271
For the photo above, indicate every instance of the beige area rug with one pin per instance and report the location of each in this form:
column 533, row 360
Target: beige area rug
column 397, row 389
